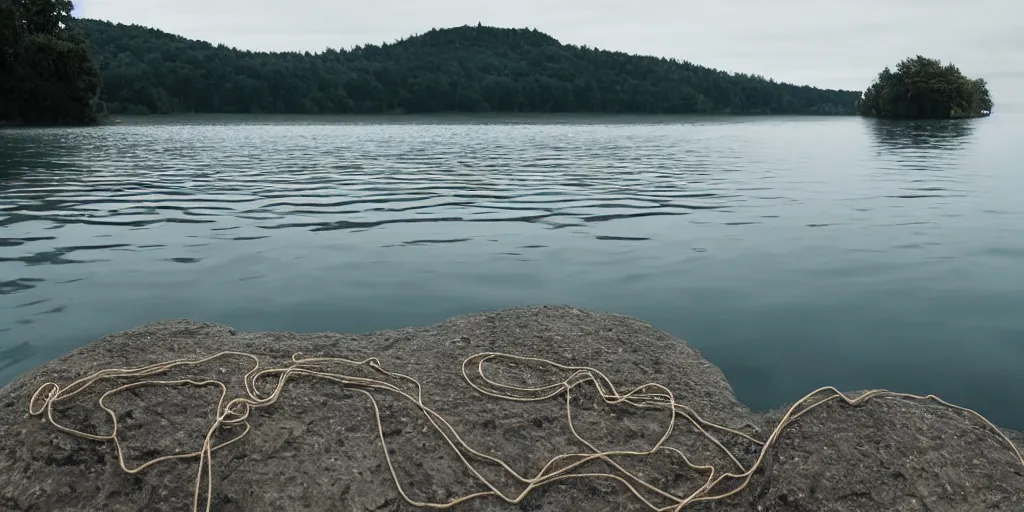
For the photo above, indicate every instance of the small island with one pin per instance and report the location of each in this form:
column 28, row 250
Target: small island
column 923, row 88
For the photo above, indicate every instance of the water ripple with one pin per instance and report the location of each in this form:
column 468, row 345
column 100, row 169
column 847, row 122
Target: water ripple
column 358, row 177
column 707, row 225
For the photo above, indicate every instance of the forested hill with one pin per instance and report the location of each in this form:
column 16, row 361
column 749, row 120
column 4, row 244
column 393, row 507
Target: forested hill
column 465, row 69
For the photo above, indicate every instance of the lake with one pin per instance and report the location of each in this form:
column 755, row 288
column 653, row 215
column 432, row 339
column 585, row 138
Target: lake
column 793, row 252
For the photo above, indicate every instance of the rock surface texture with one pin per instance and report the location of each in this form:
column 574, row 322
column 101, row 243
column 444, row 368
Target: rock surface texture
column 318, row 448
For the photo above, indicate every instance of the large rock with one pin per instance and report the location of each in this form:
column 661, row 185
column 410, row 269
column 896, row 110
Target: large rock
column 317, row 448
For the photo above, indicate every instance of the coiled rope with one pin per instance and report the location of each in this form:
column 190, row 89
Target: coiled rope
column 236, row 413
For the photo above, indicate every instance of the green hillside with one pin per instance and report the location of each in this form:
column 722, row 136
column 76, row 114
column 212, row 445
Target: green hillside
column 464, row 69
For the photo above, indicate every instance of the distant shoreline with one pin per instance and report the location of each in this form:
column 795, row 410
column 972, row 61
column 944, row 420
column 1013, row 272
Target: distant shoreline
column 468, row 117
column 118, row 119
column 487, row 114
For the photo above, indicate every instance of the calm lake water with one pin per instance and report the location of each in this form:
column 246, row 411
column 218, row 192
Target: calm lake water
column 793, row 252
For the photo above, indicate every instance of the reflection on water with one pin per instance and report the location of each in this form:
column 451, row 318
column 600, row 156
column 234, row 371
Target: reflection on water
column 922, row 135
column 793, row 252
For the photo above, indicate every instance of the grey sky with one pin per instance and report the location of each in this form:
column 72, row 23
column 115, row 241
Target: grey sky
column 827, row 43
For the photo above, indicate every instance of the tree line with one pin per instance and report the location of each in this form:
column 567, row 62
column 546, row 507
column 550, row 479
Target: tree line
column 463, row 69
column 46, row 75
column 52, row 67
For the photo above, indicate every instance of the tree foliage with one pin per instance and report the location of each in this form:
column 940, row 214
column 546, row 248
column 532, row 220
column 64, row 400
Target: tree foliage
column 923, row 88
column 46, row 75
column 465, row 69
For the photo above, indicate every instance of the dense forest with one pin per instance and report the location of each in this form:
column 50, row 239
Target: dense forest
column 923, row 88
column 465, row 69
column 46, row 76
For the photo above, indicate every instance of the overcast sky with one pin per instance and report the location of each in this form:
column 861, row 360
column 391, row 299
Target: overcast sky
column 826, row 43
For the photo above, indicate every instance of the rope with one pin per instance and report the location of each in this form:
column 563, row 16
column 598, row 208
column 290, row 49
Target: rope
column 235, row 413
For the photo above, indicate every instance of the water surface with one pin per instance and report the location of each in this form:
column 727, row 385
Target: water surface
column 793, row 252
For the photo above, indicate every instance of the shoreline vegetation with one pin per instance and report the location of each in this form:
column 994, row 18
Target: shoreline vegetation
column 46, row 74
column 60, row 70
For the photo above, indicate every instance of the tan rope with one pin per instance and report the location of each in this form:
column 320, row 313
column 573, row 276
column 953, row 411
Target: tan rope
column 235, row 413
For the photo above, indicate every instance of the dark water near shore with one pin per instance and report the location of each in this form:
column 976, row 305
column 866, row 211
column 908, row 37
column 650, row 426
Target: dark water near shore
column 793, row 252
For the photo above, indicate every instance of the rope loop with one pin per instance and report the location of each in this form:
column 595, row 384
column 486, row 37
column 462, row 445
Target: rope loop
column 237, row 411
column 51, row 389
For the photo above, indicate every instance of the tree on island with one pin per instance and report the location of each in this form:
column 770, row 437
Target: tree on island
column 46, row 74
column 923, row 88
